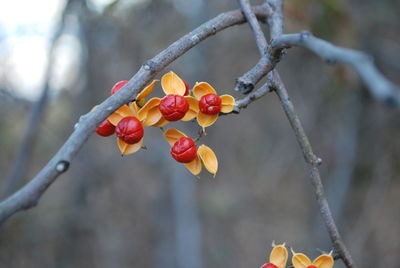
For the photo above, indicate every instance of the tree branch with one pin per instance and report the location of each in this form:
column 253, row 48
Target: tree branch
column 313, row 161
column 310, row 158
column 255, row 26
column 270, row 56
column 29, row 195
column 255, row 95
column 378, row 85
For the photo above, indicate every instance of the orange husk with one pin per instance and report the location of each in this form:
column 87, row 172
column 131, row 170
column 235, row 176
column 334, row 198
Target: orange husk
column 228, row 103
column 299, row 260
column 146, row 91
column 173, row 84
column 193, row 109
column 208, row 158
column 279, row 255
column 195, row 166
column 172, row 135
column 202, row 88
column 206, row 120
column 126, row 148
column 324, row 261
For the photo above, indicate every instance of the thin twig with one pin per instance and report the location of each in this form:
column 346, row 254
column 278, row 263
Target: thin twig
column 255, row 26
column 270, row 56
column 378, row 85
column 29, row 195
column 311, row 159
column 255, row 95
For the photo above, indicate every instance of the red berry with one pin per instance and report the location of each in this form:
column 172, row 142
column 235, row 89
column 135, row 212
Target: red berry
column 210, row 104
column 118, row 86
column 184, row 150
column 173, row 107
column 187, row 88
column 269, row 265
column 311, row 266
column 105, row 129
column 130, row 130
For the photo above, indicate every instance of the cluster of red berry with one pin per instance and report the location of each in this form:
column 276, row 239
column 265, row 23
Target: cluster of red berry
column 179, row 103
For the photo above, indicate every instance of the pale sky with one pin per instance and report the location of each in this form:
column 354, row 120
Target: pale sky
column 24, row 43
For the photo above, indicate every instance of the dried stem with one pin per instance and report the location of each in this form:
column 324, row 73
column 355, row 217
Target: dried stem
column 311, row 159
column 378, row 85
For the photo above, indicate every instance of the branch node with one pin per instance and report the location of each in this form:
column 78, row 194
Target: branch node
column 330, row 61
column 243, row 87
column 149, row 66
column 62, row 166
column 317, row 161
column 304, row 35
column 214, row 30
column 195, row 38
column 236, row 109
column 392, row 101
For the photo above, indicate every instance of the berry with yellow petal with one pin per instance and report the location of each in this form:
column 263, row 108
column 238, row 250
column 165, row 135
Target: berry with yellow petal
column 105, row 129
column 118, row 86
column 210, row 104
column 203, row 156
column 173, row 107
column 130, row 130
column 184, row 150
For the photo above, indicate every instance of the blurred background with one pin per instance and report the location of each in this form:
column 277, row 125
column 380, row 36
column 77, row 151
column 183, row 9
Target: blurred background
column 58, row 58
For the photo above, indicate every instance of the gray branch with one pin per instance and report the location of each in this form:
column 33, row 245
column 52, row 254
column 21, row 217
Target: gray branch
column 378, row 85
column 276, row 28
column 313, row 161
column 29, row 195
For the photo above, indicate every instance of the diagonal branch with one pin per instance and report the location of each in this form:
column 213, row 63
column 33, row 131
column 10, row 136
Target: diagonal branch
column 313, row 161
column 255, row 26
column 29, row 195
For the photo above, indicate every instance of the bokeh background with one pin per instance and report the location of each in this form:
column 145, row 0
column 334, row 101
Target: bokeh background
column 146, row 210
